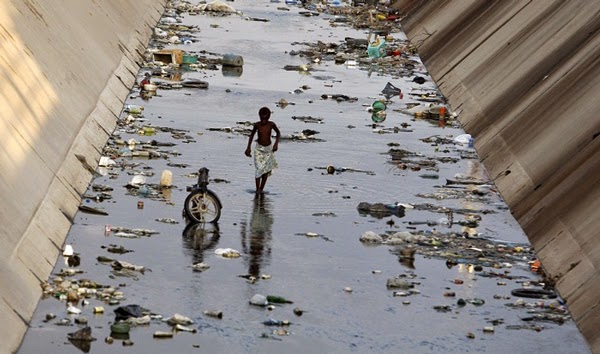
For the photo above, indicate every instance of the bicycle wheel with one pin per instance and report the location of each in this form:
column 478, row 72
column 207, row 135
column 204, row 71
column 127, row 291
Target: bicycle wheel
column 202, row 207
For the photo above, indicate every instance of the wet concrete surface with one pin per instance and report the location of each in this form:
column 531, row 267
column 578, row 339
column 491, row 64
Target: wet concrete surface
column 270, row 232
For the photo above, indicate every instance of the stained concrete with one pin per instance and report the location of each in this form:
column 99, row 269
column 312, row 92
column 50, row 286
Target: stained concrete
column 525, row 78
column 66, row 69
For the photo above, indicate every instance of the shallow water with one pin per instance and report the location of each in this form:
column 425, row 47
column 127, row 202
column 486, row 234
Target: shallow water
column 269, row 232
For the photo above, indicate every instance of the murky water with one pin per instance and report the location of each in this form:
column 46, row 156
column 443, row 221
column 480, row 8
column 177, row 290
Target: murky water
column 269, row 232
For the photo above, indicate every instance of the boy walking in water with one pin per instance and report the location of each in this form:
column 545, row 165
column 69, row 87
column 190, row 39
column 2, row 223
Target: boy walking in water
column 264, row 153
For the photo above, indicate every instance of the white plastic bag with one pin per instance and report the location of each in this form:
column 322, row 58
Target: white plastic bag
column 463, row 139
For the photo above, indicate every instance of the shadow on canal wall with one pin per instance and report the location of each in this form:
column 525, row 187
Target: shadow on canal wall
column 66, row 70
column 525, row 78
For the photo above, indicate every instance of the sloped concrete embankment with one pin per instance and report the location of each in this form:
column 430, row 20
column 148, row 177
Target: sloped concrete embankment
column 525, row 77
column 66, row 69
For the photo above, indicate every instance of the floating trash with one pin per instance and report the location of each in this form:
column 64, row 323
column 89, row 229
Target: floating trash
column 73, row 310
column 534, row 293
column 390, row 91
column 200, row 267
column 259, row 300
column 162, row 334
column 227, row 253
column 216, row 314
column 378, row 112
column 139, row 321
column 120, row 328
column 179, row 319
column 138, row 180
column 273, row 322
column 181, row 328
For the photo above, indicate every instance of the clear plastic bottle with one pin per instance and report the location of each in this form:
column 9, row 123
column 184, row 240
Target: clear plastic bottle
column 133, row 109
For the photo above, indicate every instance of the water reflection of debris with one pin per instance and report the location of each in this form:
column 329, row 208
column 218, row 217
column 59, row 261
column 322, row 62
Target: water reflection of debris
column 198, row 238
column 314, row 235
column 82, row 339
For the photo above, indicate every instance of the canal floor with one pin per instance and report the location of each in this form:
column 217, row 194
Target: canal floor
column 339, row 281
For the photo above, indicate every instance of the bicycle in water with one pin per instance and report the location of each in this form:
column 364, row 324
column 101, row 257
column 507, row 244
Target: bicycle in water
column 202, row 205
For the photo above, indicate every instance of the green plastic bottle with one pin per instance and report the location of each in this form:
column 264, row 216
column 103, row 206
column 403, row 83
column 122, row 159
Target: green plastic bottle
column 278, row 300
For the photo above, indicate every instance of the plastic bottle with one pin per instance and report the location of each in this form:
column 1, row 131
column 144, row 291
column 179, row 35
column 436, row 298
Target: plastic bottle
column 133, row 109
column 166, row 179
column 273, row 322
column 149, row 130
column 216, row 314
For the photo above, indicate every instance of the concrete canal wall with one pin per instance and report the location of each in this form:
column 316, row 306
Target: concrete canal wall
column 66, row 68
column 525, row 77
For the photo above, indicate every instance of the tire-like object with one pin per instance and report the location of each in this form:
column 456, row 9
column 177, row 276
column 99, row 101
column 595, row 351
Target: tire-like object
column 534, row 293
column 202, row 207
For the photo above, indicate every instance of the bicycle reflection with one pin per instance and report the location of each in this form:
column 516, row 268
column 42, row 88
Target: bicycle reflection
column 199, row 237
column 256, row 235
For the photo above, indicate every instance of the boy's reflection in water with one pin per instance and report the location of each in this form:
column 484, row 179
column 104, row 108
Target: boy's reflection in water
column 256, row 236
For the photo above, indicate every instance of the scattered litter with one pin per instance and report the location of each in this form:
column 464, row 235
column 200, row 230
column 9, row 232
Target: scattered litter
column 179, row 319
column 216, row 314
column 82, row 335
column 216, row 6
column 200, row 267
column 227, row 253
column 167, row 221
column 163, row 334
column 534, row 293
column 73, row 310
column 182, row 328
column 259, row 300
column 380, row 210
column 91, row 210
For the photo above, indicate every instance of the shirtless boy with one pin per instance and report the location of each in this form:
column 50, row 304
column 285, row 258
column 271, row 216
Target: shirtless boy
column 264, row 153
